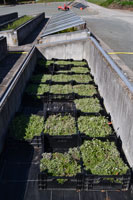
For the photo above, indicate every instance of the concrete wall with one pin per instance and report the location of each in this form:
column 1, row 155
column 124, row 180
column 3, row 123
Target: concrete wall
column 27, row 28
column 3, row 48
column 64, row 36
column 13, row 100
column 16, row 37
column 118, row 99
column 8, row 17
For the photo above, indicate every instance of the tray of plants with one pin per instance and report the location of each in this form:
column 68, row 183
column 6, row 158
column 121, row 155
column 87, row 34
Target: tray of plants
column 92, row 165
column 104, row 166
column 27, row 128
column 60, row 130
column 60, row 171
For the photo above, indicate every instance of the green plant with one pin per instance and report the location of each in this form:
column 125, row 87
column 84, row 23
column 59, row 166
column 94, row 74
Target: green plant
column 17, row 23
column 75, row 63
column 102, row 158
column 26, row 127
column 59, row 164
column 77, row 69
column 61, row 78
column 85, row 90
column 61, row 89
column 94, row 126
column 60, row 125
column 41, row 78
column 88, row 104
column 81, row 78
column 37, row 89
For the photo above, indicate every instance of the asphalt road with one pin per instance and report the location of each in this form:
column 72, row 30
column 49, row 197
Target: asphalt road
column 114, row 27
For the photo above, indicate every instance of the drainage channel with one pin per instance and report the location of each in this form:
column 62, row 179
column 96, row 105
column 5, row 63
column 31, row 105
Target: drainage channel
column 61, row 98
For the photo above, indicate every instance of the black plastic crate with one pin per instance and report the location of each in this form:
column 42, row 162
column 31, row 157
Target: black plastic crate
column 59, row 106
column 51, row 97
column 106, row 182
column 59, row 143
column 47, row 182
column 102, row 182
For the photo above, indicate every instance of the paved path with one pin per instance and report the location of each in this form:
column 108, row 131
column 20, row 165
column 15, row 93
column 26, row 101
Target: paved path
column 114, row 27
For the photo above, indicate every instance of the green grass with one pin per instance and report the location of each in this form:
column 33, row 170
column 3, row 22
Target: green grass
column 88, row 104
column 41, row 78
column 61, row 89
column 37, row 89
column 83, row 70
column 94, row 126
column 81, row 78
column 102, row 158
column 85, row 90
column 60, row 125
column 61, row 78
column 59, row 164
column 17, row 23
column 26, row 127
column 106, row 3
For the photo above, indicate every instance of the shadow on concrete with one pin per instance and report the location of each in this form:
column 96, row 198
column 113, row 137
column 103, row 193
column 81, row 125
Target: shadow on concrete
column 33, row 36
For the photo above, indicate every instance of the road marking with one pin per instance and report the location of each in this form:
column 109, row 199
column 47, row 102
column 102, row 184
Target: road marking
column 126, row 53
column 18, row 52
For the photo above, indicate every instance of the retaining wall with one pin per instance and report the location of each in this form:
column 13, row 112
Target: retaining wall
column 118, row 99
column 3, row 48
column 10, row 104
column 17, row 36
column 8, row 17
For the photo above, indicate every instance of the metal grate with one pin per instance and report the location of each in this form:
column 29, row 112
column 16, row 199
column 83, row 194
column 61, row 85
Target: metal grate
column 61, row 22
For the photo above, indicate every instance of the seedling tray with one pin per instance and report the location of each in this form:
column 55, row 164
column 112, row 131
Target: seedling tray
column 47, row 182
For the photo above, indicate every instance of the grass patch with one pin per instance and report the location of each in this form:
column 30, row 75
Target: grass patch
column 81, row 78
column 76, row 63
column 102, row 158
column 94, row 126
column 41, row 78
column 88, row 104
column 85, row 90
column 26, row 127
column 98, row 2
column 59, row 164
column 37, row 89
column 61, row 78
column 61, row 89
column 117, row 3
column 60, row 125
column 17, row 23
column 83, row 70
